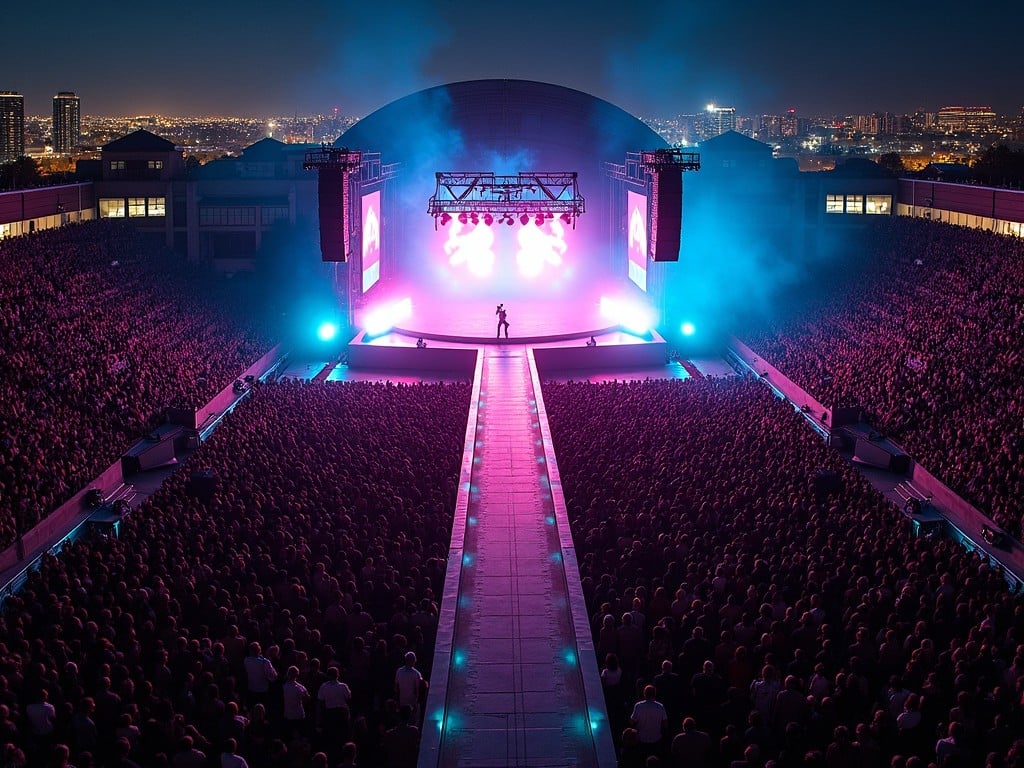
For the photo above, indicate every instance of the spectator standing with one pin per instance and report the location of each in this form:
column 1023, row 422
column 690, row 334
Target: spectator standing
column 409, row 686
column 650, row 720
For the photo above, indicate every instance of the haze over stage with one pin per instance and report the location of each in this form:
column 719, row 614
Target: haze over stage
column 529, row 319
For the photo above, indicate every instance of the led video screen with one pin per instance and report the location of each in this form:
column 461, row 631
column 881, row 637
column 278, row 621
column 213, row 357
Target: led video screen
column 636, row 242
column 371, row 239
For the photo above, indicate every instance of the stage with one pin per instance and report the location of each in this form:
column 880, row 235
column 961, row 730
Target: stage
column 556, row 355
column 531, row 321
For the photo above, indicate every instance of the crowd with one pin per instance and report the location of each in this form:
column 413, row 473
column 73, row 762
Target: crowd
column 99, row 334
column 924, row 330
column 746, row 614
column 284, row 617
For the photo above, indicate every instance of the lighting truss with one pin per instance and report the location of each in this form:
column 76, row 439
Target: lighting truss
column 336, row 158
column 529, row 193
column 670, row 159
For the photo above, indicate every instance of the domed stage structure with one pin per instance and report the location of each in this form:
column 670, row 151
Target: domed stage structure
column 495, row 191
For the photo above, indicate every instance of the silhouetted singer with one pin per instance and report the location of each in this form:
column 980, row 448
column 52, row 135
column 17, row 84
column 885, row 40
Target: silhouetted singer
column 502, row 320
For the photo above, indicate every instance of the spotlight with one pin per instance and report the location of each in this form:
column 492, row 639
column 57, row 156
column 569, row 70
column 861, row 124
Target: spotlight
column 539, row 221
column 445, row 218
column 474, row 218
column 688, row 328
column 524, row 219
column 327, row 331
column 566, row 218
column 488, row 219
column 463, row 218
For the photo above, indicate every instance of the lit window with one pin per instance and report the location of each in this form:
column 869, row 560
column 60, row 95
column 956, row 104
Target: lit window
column 136, row 206
column 112, row 208
column 878, row 204
column 855, row 203
column 117, row 165
column 157, row 206
column 155, row 165
column 833, row 204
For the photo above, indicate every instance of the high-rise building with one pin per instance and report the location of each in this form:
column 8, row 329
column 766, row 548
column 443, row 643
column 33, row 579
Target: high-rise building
column 790, row 124
column 67, row 122
column 965, row 118
column 12, row 126
column 716, row 121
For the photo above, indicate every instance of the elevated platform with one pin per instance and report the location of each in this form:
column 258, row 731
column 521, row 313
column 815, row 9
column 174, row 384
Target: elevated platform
column 614, row 350
column 515, row 681
column 532, row 320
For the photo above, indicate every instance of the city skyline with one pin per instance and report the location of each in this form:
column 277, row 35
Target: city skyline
column 662, row 58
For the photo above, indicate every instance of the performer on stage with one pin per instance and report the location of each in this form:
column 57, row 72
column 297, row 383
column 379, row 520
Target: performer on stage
column 502, row 320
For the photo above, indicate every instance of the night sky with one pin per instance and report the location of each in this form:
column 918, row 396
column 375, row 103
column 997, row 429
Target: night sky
column 651, row 58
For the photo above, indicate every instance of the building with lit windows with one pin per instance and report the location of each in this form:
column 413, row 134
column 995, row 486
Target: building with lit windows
column 715, row 121
column 219, row 212
column 141, row 177
column 67, row 123
column 951, row 119
column 12, row 126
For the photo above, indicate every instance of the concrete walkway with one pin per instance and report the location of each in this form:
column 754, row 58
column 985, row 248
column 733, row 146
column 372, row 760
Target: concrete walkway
column 515, row 680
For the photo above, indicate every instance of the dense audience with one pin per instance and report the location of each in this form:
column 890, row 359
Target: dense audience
column 256, row 610
column 99, row 334
column 925, row 331
column 754, row 602
column 747, row 612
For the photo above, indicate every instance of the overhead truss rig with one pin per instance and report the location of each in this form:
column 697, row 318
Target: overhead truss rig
column 527, row 195
column 334, row 158
column 669, row 160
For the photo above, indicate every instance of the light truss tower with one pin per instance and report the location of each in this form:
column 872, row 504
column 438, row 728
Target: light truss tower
column 506, row 198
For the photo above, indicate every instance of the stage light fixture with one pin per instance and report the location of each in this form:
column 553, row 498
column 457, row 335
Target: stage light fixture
column 509, row 219
column 463, row 218
column 566, row 218
column 474, row 218
column 488, row 219
column 445, row 218
column 539, row 221
column 326, row 331
column 524, row 219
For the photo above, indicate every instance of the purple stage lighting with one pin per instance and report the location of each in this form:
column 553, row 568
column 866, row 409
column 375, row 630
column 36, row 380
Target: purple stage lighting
column 382, row 318
column 630, row 315
column 473, row 247
column 539, row 247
